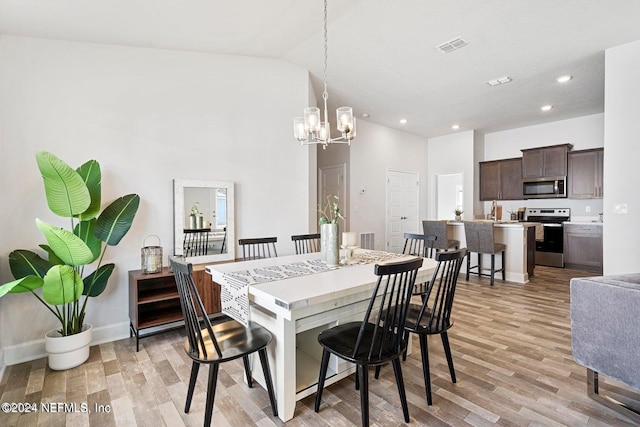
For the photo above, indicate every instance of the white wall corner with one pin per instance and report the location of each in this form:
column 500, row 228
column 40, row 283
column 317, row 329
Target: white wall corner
column 3, row 365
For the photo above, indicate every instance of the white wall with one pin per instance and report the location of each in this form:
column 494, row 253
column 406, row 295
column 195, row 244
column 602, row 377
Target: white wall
column 376, row 150
column 583, row 132
column 622, row 158
column 148, row 116
column 450, row 154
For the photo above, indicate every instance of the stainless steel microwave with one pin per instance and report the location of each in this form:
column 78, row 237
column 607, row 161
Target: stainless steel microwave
column 544, row 188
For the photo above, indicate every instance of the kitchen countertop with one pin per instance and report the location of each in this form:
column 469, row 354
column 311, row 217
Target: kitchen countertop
column 503, row 223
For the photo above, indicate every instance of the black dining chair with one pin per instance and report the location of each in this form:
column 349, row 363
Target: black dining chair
column 196, row 242
column 378, row 339
column 418, row 245
column 306, row 243
column 217, row 343
column 256, row 248
column 433, row 316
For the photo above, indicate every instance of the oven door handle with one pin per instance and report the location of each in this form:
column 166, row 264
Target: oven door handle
column 551, row 225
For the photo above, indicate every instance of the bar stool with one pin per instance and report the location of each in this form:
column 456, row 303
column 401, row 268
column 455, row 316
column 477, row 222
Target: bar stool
column 480, row 239
column 436, row 233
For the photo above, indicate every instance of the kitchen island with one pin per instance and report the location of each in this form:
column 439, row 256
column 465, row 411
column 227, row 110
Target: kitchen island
column 520, row 239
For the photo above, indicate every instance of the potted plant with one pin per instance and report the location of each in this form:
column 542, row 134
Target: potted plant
column 73, row 194
column 458, row 213
column 329, row 230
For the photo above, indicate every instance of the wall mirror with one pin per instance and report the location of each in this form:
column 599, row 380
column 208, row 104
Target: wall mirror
column 203, row 220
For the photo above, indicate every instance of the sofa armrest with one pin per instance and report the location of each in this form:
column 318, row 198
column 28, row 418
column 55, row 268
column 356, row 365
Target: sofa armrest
column 605, row 326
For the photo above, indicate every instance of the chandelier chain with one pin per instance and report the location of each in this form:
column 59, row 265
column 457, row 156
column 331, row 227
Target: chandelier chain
column 325, row 93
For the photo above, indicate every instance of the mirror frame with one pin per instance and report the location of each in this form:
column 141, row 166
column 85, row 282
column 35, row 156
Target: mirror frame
column 179, row 219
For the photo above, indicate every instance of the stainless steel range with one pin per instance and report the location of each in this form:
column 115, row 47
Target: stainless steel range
column 549, row 242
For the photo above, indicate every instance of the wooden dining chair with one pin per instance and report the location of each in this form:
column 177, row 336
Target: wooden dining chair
column 214, row 344
column 378, row 339
column 306, row 243
column 256, row 248
column 433, row 316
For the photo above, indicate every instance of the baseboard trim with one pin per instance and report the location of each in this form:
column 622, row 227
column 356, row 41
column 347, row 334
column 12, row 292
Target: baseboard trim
column 32, row 350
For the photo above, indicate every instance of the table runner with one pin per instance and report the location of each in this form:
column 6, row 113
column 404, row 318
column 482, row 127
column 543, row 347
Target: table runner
column 235, row 289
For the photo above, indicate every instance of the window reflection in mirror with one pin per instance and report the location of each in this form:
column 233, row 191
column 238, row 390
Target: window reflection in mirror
column 203, row 223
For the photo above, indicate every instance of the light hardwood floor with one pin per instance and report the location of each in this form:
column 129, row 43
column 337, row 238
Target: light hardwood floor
column 511, row 347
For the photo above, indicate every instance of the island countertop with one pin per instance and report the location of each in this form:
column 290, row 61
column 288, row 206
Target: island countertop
column 501, row 223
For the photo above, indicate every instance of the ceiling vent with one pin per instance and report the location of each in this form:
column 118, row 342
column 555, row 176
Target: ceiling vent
column 499, row 81
column 452, row 45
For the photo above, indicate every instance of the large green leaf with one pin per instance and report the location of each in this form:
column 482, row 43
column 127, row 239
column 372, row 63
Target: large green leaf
column 101, row 277
column 53, row 258
column 67, row 194
column 25, row 284
column 90, row 173
column 86, row 231
column 62, row 285
column 66, row 245
column 25, row 263
column 115, row 221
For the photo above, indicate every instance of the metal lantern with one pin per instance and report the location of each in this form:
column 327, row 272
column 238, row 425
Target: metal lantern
column 151, row 257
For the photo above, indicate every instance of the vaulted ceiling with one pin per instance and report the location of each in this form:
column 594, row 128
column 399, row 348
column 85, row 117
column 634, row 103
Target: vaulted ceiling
column 382, row 55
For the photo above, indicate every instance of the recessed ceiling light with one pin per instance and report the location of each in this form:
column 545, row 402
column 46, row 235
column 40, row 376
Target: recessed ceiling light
column 499, row 81
column 455, row 127
column 564, row 79
column 403, row 121
column 365, row 115
column 546, row 107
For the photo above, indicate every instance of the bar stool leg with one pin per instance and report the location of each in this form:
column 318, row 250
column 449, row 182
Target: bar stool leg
column 493, row 267
column 468, row 265
column 503, row 269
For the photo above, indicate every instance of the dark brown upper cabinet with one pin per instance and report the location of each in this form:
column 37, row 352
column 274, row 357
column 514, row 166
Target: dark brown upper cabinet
column 545, row 161
column 501, row 179
column 585, row 180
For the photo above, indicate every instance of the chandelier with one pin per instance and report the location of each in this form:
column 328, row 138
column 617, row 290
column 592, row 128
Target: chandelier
column 310, row 130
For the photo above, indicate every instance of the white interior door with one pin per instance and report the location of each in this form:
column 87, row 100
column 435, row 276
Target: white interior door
column 333, row 182
column 402, row 208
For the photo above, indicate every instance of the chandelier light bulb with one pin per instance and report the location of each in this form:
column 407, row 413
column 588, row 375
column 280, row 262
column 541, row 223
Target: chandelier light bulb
column 345, row 118
column 299, row 129
column 312, row 119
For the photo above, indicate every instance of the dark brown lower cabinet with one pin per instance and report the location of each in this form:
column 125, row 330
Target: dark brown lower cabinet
column 583, row 247
column 154, row 304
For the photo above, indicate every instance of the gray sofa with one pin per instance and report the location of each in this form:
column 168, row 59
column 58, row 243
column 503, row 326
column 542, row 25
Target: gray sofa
column 605, row 336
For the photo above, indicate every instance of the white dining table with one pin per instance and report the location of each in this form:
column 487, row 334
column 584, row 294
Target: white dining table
column 296, row 309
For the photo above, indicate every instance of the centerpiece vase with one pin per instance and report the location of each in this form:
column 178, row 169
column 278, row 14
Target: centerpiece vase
column 329, row 236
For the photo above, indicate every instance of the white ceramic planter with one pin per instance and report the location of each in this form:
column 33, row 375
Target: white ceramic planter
column 70, row 351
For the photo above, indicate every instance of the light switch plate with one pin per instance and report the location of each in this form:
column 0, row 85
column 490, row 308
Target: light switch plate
column 620, row 208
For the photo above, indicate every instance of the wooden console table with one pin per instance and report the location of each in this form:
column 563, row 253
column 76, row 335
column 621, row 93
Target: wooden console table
column 154, row 301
